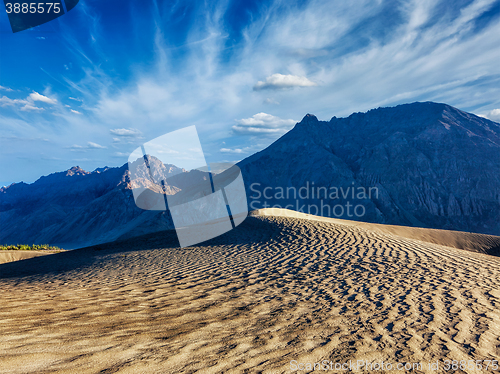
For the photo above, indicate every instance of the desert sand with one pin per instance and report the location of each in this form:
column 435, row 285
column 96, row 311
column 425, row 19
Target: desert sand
column 9, row 256
column 277, row 288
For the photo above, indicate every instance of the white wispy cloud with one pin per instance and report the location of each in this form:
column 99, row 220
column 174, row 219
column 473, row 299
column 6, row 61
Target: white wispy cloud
column 35, row 96
column 271, row 101
column 6, row 101
column 262, row 124
column 406, row 66
column 131, row 132
column 89, row 145
column 313, row 45
column 93, row 145
column 28, row 104
column 75, row 111
column 6, row 89
column 281, row 81
column 23, row 105
column 493, row 115
column 233, row 150
column 29, row 107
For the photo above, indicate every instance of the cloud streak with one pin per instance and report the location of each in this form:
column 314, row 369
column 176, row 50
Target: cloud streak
column 232, row 150
column 262, row 124
column 28, row 104
column 280, row 81
column 126, row 132
column 35, row 96
column 88, row 146
column 493, row 115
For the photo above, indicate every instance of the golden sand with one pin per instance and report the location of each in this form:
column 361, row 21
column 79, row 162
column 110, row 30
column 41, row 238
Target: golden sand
column 273, row 290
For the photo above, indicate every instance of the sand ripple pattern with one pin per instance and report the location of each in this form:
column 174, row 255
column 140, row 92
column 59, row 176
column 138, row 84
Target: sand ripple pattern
column 273, row 290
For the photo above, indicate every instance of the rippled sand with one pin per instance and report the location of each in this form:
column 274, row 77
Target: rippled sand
column 275, row 289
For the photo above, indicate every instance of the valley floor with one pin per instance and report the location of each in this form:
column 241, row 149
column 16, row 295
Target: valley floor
column 273, row 291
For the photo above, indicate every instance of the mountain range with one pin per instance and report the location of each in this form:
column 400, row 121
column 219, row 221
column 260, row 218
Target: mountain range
column 430, row 165
column 420, row 164
column 76, row 207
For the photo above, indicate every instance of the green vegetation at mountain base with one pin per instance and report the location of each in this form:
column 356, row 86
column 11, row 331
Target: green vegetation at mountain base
column 26, row 247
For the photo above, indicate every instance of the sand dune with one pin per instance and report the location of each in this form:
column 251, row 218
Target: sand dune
column 9, row 256
column 469, row 241
column 273, row 290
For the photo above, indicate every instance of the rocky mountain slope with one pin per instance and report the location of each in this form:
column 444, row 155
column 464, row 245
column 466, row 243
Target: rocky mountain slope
column 425, row 164
column 421, row 164
column 76, row 207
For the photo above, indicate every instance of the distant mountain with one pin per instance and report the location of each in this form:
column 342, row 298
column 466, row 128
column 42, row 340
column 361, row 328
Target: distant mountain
column 427, row 165
column 420, row 164
column 76, row 207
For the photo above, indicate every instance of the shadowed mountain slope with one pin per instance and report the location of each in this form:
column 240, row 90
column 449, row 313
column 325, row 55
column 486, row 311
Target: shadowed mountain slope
column 76, row 208
column 428, row 164
column 424, row 164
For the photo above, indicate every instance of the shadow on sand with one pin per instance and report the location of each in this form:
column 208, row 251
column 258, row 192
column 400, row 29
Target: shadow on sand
column 251, row 231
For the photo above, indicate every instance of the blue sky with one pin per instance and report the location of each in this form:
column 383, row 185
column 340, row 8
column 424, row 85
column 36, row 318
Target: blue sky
column 91, row 86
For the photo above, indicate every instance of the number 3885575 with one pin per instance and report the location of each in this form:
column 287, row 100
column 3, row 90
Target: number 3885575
column 33, row 7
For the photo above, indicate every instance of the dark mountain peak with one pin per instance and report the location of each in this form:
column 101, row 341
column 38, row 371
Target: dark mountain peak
column 5, row 188
column 308, row 119
column 433, row 165
column 12, row 186
column 408, row 109
column 438, row 109
column 431, row 120
column 426, row 109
